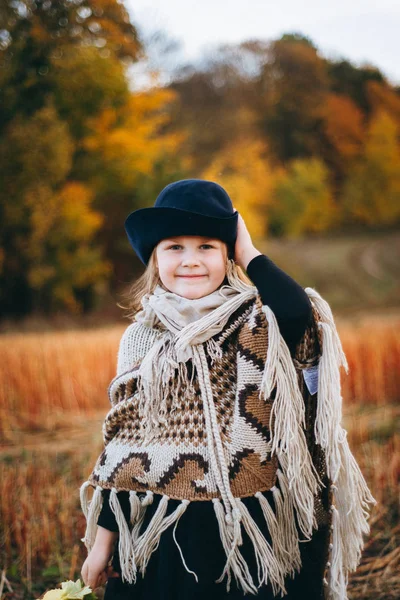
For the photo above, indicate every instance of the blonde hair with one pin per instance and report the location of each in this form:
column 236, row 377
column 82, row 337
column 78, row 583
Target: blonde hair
column 148, row 281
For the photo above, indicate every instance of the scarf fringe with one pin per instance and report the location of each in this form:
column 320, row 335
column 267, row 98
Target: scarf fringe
column 287, row 422
column 125, row 543
column 230, row 541
column 91, row 510
column 285, row 541
column 145, row 502
column 268, row 567
column 274, row 561
column 351, row 496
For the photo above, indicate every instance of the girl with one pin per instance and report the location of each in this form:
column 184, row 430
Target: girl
column 225, row 420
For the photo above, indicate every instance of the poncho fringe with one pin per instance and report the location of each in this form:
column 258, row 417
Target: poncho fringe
column 293, row 495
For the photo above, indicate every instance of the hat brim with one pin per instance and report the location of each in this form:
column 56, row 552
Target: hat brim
column 146, row 227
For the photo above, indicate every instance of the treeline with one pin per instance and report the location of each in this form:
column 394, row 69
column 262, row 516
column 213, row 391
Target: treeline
column 301, row 143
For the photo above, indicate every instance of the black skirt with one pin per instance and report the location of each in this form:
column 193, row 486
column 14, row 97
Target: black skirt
column 198, row 536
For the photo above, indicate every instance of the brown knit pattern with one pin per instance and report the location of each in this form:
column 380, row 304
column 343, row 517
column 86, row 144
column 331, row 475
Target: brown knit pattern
column 177, row 464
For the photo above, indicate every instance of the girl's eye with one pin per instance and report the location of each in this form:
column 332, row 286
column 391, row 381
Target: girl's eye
column 174, row 246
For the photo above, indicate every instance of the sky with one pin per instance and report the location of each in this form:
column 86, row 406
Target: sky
column 358, row 30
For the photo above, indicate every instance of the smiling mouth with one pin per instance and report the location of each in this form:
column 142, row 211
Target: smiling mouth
column 191, row 276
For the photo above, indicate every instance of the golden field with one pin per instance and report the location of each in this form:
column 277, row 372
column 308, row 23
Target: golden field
column 53, row 398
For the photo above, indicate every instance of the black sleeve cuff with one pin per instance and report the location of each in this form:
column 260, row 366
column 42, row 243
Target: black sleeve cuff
column 106, row 517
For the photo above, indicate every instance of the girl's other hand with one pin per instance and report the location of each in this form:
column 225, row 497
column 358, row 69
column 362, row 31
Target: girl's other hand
column 95, row 571
column 245, row 250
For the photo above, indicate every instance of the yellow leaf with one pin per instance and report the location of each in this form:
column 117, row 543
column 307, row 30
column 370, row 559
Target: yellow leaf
column 55, row 595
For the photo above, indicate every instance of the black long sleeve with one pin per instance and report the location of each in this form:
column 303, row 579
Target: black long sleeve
column 285, row 297
column 292, row 309
column 106, row 517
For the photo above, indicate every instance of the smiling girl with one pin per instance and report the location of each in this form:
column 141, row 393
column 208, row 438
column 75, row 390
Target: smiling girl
column 225, row 472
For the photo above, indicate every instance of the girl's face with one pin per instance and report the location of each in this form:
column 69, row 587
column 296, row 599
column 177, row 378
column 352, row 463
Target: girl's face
column 191, row 266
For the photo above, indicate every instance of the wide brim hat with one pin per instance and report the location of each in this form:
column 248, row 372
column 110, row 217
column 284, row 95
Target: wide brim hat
column 185, row 207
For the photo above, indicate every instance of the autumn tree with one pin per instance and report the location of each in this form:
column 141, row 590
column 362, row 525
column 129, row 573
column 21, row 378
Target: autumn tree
column 372, row 191
column 217, row 99
column 383, row 98
column 351, row 81
column 129, row 157
column 64, row 82
column 245, row 172
column 302, row 201
column 293, row 86
column 36, row 36
column 343, row 133
column 47, row 225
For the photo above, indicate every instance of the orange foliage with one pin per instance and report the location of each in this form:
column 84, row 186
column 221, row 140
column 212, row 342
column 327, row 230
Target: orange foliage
column 130, row 139
column 243, row 170
column 343, row 124
column 383, row 98
column 372, row 191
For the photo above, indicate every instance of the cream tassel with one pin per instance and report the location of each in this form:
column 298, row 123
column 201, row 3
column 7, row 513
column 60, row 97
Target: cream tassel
column 180, row 549
column 91, row 511
column 349, row 522
column 286, row 519
column 268, row 567
column 136, row 506
column 149, row 535
column 84, row 498
column 328, row 433
column 351, row 495
column 337, row 578
column 325, row 311
column 352, row 498
column 284, row 544
column 287, row 421
column 148, row 542
column 144, row 503
column 125, row 545
column 235, row 559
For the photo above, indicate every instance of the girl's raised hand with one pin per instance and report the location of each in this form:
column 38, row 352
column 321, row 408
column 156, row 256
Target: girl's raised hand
column 245, row 250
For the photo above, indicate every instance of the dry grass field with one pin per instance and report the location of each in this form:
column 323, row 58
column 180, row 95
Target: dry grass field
column 53, row 400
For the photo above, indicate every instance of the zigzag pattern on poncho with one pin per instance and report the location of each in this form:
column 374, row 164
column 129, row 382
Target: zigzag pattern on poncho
column 273, row 435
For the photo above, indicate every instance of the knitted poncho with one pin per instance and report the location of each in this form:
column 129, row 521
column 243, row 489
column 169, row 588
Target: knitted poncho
column 248, row 418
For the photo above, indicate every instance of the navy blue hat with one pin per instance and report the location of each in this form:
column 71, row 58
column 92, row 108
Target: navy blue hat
column 186, row 207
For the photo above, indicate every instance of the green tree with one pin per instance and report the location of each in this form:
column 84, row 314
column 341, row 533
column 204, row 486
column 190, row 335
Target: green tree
column 302, row 200
column 47, row 226
column 37, row 34
column 84, row 84
column 72, row 134
column 352, row 81
column 293, row 86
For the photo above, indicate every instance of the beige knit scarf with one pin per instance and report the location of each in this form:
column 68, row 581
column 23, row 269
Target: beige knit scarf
column 186, row 323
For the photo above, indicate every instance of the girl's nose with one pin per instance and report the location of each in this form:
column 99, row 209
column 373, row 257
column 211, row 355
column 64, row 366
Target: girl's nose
column 190, row 260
